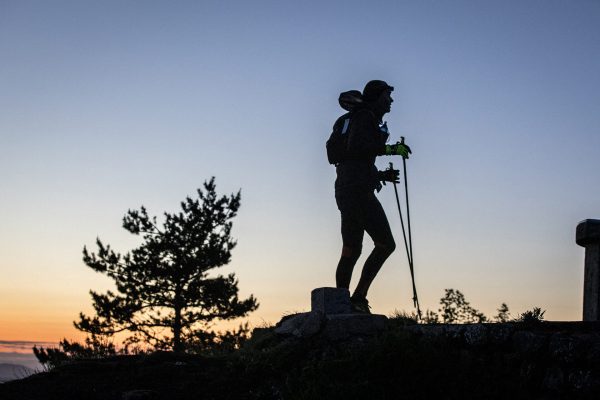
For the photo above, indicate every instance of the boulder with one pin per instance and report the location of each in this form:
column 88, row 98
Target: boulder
column 290, row 324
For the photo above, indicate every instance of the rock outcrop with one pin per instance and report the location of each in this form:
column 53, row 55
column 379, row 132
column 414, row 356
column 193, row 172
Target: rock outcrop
column 331, row 318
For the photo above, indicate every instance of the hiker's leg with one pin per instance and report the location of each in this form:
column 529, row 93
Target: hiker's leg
column 378, row 227
column 352, row 235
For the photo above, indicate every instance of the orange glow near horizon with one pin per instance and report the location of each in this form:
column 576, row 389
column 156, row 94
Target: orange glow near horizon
column 47, row 328
column 42, row 328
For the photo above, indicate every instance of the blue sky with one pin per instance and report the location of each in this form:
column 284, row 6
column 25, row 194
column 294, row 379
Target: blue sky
column 111, row 105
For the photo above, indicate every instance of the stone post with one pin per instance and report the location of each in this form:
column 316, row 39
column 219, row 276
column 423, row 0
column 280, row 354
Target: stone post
column 329, row 300
column 588, row 236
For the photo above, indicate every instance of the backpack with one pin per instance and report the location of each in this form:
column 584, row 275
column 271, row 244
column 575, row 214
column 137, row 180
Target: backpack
column 338, row 140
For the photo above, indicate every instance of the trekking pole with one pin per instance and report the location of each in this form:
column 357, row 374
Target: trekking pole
column 408, row 255
column 408, row 251
column 411, row 259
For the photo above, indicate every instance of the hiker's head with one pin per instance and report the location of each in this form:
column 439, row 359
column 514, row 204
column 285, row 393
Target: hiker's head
column 379, row 95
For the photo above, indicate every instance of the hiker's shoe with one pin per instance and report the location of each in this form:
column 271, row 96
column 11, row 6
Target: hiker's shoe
column 360, row 305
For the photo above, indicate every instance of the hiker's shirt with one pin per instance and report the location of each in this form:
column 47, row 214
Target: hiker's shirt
column 358, row 174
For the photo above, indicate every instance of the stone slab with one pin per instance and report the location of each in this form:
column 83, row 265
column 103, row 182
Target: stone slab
column 333, row 327
column 329, row 300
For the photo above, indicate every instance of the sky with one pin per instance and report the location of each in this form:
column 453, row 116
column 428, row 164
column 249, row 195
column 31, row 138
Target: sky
column 107, row 106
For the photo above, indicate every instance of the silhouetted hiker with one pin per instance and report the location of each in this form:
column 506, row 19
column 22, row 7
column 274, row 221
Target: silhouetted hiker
column 358, row 138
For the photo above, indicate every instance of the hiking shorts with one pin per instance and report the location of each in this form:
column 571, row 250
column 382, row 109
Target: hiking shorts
column 361, row 212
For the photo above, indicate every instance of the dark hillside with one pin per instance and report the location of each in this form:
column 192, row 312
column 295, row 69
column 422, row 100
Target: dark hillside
column 478, row 361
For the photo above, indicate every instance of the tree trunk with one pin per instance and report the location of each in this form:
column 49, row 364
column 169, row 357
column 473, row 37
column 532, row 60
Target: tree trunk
column 177, row 345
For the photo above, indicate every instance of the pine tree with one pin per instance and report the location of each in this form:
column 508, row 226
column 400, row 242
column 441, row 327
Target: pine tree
column 165, row 296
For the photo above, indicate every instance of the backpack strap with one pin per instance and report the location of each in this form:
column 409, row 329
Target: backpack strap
column 346, row 125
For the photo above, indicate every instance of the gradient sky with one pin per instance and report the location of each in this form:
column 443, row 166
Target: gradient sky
column 109, row 105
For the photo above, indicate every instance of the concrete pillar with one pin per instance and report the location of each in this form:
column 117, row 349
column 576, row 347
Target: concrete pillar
column 588, row 236
column 329, row 300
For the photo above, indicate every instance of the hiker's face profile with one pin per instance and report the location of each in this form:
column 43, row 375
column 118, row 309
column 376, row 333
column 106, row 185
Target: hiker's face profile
column 385, row 101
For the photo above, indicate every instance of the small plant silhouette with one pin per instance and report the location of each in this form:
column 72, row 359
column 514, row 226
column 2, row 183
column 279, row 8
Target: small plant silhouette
column 94, row 347
column 534, row 316
column 503, row 314
column 456, row 309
